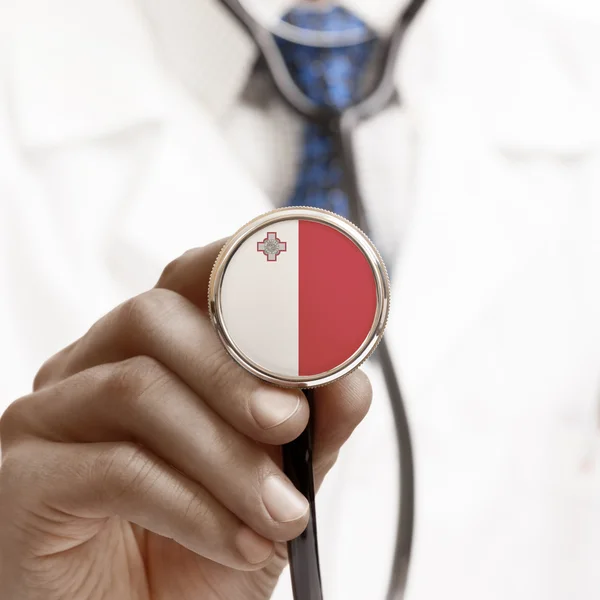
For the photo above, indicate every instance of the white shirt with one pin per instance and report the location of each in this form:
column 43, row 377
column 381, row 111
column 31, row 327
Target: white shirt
column 131, row 131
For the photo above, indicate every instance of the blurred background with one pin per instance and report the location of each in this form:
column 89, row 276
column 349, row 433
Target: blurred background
column 132, row 130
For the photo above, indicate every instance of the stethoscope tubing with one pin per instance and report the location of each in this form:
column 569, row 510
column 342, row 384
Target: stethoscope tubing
column 303, row 552
column 297, row 456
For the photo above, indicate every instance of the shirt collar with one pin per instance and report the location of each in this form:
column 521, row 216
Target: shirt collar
column 81, row 69
column 214, row 56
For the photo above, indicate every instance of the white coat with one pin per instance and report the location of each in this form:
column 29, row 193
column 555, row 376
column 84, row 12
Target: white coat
column 132, row 130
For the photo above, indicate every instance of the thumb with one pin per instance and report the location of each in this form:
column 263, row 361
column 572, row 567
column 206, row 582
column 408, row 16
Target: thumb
column 188, row 275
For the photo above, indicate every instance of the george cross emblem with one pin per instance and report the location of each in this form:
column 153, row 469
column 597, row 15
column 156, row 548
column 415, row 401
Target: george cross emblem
column 272, row 247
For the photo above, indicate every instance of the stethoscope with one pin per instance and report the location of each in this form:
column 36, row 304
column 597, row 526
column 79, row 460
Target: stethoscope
column 297, row 456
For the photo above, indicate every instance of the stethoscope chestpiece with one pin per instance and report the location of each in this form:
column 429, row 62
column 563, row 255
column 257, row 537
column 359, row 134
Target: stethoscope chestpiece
column 300, row 297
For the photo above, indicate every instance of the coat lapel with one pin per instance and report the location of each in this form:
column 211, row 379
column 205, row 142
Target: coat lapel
column 477, row 225
column 80, row 70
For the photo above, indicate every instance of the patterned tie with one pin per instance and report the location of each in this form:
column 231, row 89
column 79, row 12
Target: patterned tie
column 329, row 77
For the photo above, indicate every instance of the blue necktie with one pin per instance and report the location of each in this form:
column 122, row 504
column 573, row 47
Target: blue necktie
column 329, row 77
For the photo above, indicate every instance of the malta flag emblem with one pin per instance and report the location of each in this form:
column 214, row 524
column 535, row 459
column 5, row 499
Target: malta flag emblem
column 299, row 296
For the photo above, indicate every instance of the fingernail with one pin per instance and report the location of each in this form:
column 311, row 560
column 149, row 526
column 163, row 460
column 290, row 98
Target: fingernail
column 283, row 501
column 252, row 547
column 271, row 408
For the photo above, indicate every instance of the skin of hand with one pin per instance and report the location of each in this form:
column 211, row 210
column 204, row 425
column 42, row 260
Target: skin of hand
column 145, row 465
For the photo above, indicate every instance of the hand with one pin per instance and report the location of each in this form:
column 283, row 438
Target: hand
column 145, row 464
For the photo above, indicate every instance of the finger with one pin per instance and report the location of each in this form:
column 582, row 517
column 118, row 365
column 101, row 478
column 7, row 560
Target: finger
column 140, row 401
column 187, row 275
column 172, row 330
column 340, row 408
column 68, row 482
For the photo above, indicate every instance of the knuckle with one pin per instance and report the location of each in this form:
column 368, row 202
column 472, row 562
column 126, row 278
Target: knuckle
column 178, row 271
column 18, row 469
column 133, row 379
column 170, row 272
column 44, row 374
column 12, row 462
column 12, row 420
column 222, row 371
column 53, row 368
column 143, row 311
column 123, row 470
column 136, row 310
column 225, row 447
column 197, row 509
